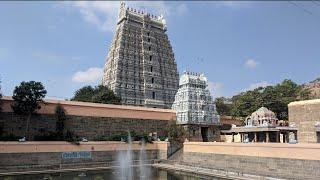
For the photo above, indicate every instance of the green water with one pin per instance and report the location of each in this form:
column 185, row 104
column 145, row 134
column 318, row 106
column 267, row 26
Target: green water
column 109, row 174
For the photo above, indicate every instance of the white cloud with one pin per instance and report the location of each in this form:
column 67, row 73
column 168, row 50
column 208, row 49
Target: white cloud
column 251, row 63
column 230, row 4
column 104, row 14
column 91, row 75
column 258, row 84
column 215, row 89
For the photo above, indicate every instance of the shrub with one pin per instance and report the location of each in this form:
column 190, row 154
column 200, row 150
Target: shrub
column 10, row 137
column 60, row 120
column 124, row 136
column 71, row 137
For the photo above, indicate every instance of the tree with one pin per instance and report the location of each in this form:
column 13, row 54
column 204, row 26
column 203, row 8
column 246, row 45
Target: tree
column 0, row 99
column 61, row 117
column 98, row 94
column 84, row 94
column 223, row 106
column 176, row 133
column 276, row 98
column 105, row 95
column 27, row 98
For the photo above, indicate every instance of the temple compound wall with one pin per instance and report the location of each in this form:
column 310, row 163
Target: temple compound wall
column 89, row 120
column 58, row 155
column 250, row 160
column 305, row 115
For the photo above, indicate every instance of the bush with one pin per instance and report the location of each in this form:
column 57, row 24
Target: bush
column 61, row 117
column 71, row 137
column 124, row 136
column 10, row 137
column 162, row 138
column 176, row 133
column 49, row 136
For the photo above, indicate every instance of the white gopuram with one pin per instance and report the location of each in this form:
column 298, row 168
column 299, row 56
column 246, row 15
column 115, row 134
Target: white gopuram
column 194, row 106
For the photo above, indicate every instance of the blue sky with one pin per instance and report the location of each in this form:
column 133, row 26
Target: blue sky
column 238, row 45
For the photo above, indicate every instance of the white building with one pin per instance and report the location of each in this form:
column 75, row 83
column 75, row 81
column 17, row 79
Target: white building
column 194, row 105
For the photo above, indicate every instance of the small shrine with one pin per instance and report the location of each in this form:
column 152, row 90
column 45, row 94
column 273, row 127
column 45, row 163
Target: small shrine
column 261, row 126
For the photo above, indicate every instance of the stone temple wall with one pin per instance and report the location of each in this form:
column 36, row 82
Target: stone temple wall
column 89, row 127
column 305, row 115
column 202, row 133
column 288, row 161
column 47, row 155
column 88, row 120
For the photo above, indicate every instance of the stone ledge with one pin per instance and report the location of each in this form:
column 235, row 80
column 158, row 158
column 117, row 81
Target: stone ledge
column 273, row 150
column 306, row 102
column 61, row 146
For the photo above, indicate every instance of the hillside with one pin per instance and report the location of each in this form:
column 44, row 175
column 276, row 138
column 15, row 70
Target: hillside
column 314, row 87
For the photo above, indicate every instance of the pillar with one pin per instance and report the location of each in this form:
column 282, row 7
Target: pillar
column 232, row 137
column 267, row 137
column 255, row 137
column 281, row 138
column 278, row 137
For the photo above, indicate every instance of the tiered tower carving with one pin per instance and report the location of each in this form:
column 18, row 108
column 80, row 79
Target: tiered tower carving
column 193, row 102
column 140, row 66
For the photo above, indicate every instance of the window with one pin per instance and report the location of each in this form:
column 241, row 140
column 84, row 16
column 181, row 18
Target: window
column 148, row 39
column 151, row 68
column 153, row 95
column 150, row 58
column 152, row 80
column 148, row 34
column 149, row 48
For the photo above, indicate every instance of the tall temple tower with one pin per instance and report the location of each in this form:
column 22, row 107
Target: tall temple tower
column 140, row 66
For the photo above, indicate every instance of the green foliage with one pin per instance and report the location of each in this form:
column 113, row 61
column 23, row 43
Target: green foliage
column 276, row 98
column 61, row 117
column 27, row 97
column 124, row 136
column 72, row 138
column 0, row 98
column 98, row 94
column 84, row 94
column 46, row 136
column 162, row 138
column 223, row 107
column 176, row 133
column 10, row 137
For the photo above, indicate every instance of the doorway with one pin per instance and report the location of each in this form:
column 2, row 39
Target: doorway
column 204, row 134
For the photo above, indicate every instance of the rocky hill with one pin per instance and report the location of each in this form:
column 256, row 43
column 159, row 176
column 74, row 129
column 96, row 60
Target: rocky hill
column 314, row 87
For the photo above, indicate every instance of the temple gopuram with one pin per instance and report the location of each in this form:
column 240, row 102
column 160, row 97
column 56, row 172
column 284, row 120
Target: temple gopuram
column 195, row 108
column 141, row 67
